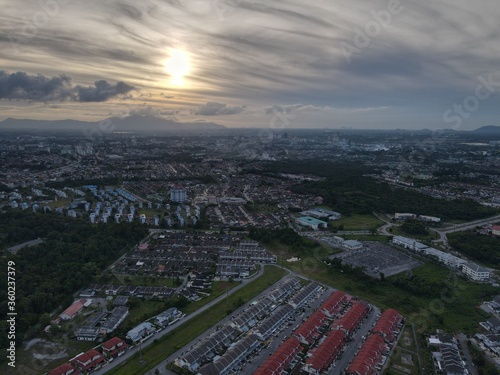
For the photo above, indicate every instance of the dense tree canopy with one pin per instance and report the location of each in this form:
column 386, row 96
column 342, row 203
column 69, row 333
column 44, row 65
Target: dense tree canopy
column 73, row 255
column 477, row 246
column 348, row 190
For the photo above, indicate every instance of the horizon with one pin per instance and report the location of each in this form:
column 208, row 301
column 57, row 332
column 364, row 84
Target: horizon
column 201, row 123
column 250, row 64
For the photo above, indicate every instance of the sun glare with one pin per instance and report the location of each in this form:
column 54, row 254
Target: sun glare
column 177, row 66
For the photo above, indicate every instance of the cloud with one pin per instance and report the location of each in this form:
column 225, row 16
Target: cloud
column 217, row 109
column 37, row 87
column 292, row 108
column 22, row 86
column 102, row 91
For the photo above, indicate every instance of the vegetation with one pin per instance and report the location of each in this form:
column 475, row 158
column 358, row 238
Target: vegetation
column 74, row 253
column 477, row 246
column 357, row 222
column 414, row 227
column 347, row 189
column 287, row 236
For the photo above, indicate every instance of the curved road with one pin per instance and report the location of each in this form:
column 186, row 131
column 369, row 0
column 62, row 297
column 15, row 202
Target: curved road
column 462, row 227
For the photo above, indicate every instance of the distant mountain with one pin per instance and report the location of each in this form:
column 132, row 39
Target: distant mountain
column 490, row 129
column 113, row 124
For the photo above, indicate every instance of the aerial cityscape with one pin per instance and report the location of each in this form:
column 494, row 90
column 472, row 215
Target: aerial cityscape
column 238, row 187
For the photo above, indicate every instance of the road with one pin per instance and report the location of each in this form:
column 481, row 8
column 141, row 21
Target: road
column 158, row 335
column 287, row 332
column 15, row 249
column 462, row 339
column 352, row 347
column 462, row 227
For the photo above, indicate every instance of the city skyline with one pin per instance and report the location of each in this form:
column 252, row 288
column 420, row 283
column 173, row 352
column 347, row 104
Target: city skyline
column 378, row 64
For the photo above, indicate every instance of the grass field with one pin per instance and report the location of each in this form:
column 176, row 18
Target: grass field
column 404, row 357
column 143, row 311
column 59, row 203
column 358, row 222
column 145, row 281
column 427, row 237
column 218, row 288
column 168, row 344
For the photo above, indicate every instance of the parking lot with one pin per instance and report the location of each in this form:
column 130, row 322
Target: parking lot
column 378, row 258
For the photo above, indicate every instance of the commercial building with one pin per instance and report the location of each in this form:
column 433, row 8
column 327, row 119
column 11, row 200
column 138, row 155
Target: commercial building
column 321, row 213
column 311, row 222
column 447, row 259
column 476, row 273
column 495, row 230
column 75, row 309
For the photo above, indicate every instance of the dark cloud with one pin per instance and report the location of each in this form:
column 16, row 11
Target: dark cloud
column 102, row 91
column 37, row 87
column 22, row 86
column 130, row 11
column 218, row 109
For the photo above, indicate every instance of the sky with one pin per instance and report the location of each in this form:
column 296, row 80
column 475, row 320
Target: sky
column 367, row 64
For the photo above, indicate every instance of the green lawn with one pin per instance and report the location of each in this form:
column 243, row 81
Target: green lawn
column 168, row 344
column 358, row 222
column 143, row 310
column 405, row 348
column 426, row 237
column 59, row 203
column 218, row 288
column 144, row 281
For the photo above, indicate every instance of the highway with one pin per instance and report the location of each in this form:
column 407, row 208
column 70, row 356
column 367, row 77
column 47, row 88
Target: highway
column 463, row 227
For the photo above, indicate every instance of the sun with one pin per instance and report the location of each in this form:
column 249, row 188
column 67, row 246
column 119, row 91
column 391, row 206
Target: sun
column 177, row 66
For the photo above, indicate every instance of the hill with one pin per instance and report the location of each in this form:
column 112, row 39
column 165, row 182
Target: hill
column 490, row 129
column 113, row 124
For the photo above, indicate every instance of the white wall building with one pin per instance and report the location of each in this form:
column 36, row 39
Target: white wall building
column 475, row 272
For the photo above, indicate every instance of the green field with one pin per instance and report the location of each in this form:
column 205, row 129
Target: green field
column 420, row 237
column 173, row 341
column 218, row 288
column 59, row 203
column 404, row 357
column 144, row 281
column 144, row 310
column 357, row 222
